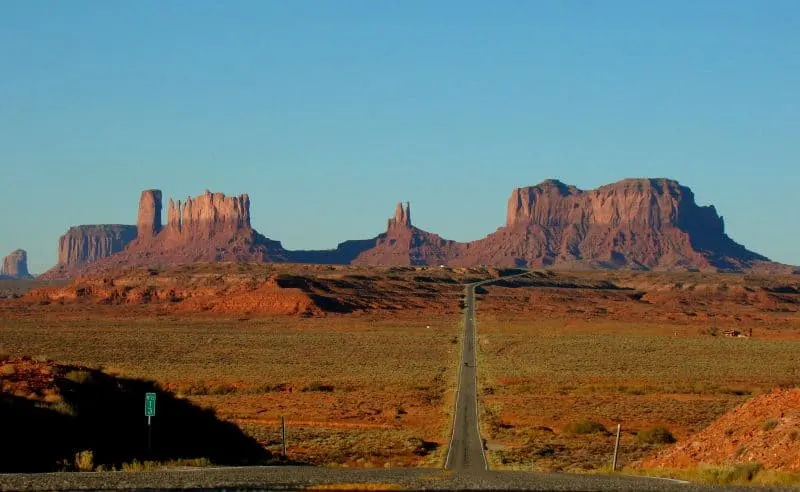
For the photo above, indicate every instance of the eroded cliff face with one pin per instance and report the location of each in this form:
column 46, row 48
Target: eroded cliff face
column 208, row 214
column 15, row 265
column 148, row 220
column 405, row 245
column 86, row 244
column 631, row 203
column 635, row 223
column 211, row 227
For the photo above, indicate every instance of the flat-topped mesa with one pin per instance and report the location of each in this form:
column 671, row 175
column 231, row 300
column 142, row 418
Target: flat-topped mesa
column 209, row 213
column 402, row 217
column 148, row 220
column 15, row 265
column 82, row 245
column 627, row 203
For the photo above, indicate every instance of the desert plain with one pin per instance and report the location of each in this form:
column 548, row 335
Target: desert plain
column 362, row 362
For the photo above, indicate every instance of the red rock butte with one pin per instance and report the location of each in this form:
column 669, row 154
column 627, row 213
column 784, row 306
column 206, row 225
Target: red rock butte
column 643, row 224
column 15, row 266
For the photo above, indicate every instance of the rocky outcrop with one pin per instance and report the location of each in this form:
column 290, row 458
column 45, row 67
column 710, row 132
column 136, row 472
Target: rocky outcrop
column 210, row 227
column 402, row 217
column 405, row 245
column 148, row 221
column 208, row 214
column 633, row 224
column 86, row 244
column 15, row 265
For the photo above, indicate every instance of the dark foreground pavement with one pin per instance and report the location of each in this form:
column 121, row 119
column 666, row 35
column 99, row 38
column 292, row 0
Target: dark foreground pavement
column 299, row 478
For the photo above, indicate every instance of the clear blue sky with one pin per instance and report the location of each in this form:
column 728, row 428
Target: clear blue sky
column 329, row 112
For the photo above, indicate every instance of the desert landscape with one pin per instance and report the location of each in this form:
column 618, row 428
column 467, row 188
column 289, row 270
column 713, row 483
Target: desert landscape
column 627, row 305
column 662, row 354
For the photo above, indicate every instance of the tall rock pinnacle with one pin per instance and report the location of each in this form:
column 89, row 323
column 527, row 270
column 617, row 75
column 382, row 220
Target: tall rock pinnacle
column 402, row 216
column 148, row 221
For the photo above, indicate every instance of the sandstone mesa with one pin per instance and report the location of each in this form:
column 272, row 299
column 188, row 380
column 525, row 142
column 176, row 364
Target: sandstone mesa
column 15, row 266
column 641, row 224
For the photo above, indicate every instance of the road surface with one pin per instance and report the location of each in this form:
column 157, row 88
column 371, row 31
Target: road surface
column 301, row 478
column 466, row 447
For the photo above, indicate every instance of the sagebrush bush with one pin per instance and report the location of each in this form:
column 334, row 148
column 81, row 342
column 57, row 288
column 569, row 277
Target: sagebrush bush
column 79, row 376
column 724, row 475
column 655, row 435
column 325, row 388
column 84, row 460
column 585, row 427
column 769, row 424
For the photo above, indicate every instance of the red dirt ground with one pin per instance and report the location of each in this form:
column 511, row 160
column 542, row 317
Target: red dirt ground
column 765, row 429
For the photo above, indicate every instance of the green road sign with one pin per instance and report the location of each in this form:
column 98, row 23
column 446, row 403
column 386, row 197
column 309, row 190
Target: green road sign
column 149, row 404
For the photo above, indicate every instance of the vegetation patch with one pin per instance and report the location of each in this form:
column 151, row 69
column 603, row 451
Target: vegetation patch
column 655, row 435
column 585, row 427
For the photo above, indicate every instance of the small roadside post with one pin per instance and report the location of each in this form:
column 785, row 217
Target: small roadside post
column 149, row 412
column 283, row 435
column 616, row 449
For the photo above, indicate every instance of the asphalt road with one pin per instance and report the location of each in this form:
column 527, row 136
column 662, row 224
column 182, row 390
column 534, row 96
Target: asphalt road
column 300, row 478
column 466, row 447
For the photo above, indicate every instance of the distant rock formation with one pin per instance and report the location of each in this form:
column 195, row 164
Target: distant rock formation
column 635, row 224
column 208, row 214
column 87, row 244
column 148, row 221
column 632, row 224
column 402, row 217
column 15, row 266
column 207, row 228
column 404, row 245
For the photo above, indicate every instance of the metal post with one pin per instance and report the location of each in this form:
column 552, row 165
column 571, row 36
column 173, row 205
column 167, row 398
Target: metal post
column 149, row 436
column 283, row 435
column 616, row 449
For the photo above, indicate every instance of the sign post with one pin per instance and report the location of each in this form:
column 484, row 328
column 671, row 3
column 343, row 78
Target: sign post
column 283, row 435
column 616, row 449
column 149, row 412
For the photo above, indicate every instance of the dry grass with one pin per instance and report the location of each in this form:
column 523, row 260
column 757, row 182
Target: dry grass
column 551, row 358
column 744, row 474
column 364, row 388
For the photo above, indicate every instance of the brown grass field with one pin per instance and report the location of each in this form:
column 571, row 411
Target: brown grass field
column 365, row 387
column 365, row 391
column 362, row 362
column 554, row 360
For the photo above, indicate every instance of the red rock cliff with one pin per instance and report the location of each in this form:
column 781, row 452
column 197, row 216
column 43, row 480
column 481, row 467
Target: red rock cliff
column 15, row 265
column 208, row 214
column 86, row 244
column 402, row 217
column 640, row 223
column 148, row 221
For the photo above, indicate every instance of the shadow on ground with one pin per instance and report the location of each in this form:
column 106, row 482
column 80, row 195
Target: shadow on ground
column 105, row 414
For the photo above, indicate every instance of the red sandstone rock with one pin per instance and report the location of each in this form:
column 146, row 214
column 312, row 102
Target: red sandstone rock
column 742, row 436
column 210, row 213
column 148, row 222
column 86, row 244
column 635, row 223
column 15, row 265
column 402, row 217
